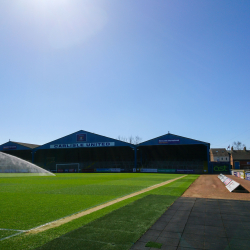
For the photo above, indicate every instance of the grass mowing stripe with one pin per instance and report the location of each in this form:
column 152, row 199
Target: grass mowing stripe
column 32, row 241
column 37, row 200
column 119, row 229
column 86, row 212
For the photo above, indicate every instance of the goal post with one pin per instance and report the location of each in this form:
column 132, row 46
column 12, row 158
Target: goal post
column 68, row 166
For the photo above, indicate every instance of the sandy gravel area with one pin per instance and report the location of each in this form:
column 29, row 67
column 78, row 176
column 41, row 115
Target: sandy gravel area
column 210, row 186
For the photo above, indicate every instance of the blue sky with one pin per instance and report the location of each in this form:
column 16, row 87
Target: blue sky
column 127, row 67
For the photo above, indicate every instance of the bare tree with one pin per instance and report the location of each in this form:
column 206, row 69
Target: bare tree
column 238, row 145
column 121, row 138
column 133, row 140
column 138, row 140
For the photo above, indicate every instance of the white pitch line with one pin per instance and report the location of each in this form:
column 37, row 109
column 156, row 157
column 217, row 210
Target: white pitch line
column 13, row 229
column 69, row 218
column 12, row 235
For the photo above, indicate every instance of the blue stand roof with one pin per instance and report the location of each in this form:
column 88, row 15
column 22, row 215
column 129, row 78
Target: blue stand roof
column 83, row 139
column 171, row 139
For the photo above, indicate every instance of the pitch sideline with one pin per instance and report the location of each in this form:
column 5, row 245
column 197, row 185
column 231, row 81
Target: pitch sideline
column 77, row 215
column 12, row 235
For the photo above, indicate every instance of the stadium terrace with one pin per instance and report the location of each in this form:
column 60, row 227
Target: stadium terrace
column 84, row 151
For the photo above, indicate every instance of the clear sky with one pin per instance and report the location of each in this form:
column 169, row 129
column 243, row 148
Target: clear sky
column 127, row 67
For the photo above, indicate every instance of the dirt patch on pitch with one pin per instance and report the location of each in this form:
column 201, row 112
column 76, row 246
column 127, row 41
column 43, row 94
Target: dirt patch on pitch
column 210, row 186
column 64, row 220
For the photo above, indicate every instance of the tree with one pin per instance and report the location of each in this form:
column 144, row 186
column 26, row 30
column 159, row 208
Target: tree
column 121, row 138
column 138, row 140
column 133, row 140
column 238, row 145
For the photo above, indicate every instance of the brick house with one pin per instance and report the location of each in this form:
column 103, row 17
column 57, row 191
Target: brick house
column 240, row 159
column 219, row 155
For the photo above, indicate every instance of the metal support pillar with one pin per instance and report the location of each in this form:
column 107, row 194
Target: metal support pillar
column 135, row 165
column 208, row 159
column 33, row 156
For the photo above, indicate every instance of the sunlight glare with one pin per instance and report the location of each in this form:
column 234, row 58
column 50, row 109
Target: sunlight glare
column 64, row 23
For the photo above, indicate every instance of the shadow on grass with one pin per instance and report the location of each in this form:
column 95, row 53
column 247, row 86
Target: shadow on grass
column 119, row 229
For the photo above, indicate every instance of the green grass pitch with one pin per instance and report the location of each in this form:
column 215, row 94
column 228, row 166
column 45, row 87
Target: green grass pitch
column 27, row 202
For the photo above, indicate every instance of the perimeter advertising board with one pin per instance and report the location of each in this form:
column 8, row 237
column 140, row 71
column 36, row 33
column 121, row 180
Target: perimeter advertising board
column 232, row 185
column 184, row 171
column 108, row 170
column 247, row 176
column 9, row 171
column 149, row 170
column 229, row 183
column 239, row 173
column 104, row 170
column 115, row 170
column 166, row 170
column 24, row 171
column 88, row 170
column 220, row 167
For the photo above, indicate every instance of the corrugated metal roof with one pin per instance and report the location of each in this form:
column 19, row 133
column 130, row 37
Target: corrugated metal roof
column 90, row 138
column 28, row 145
column 167, row 138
